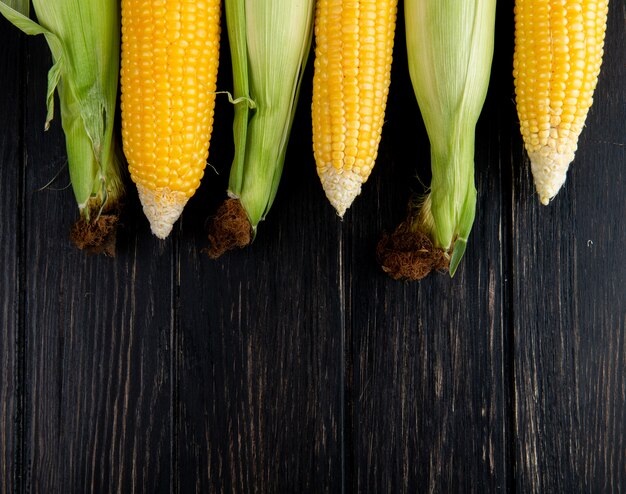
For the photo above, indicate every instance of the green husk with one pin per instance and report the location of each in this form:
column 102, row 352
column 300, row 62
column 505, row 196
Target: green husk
column 450, row 49
column 269, row 44
column 20, row 6
column 84, row 37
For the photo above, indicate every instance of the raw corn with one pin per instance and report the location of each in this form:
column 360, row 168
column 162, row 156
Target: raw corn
column 269, row 42
column 170, row 53
column 558, row 53
column 83, row 38
column 353, row 54
column 450, row 49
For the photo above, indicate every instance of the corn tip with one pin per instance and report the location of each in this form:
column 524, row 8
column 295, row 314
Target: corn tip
column 549, row 171
column 162, row 207
column 341, row 188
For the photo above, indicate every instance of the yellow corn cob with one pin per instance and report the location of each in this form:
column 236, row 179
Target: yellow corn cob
column 558, row 53
column 169, row 70
column 354, row 44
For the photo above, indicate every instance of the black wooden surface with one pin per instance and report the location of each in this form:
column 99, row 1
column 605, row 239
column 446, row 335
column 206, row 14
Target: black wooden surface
column 296, row 365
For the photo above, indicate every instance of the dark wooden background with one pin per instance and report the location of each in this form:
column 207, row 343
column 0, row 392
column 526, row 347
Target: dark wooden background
column 297, row 365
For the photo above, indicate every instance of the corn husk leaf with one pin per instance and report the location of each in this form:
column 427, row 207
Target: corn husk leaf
column 236, row 26
column 270, row 42
column 21, row 6
column 83, row 37
column 450, row 49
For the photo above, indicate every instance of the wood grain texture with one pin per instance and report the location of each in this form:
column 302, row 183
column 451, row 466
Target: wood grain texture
column 10, row 219
column 570, row 304
column 428, row 384
column 296, row 365
column 260, row 355
column 98, row 330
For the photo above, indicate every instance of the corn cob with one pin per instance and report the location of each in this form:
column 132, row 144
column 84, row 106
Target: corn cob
column 269, row 42
column 558, row 53
column 170, row 52
column 83, row 38
column 353, row 53
column 450, row 48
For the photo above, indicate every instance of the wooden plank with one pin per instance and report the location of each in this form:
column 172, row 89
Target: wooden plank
column 260, row 359
column 98, row 350
column 10, row 218
column 427, row 382
column 570, row 314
